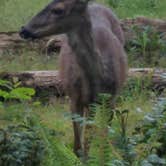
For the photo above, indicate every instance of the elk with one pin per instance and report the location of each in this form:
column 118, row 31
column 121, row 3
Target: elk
column 92, row 59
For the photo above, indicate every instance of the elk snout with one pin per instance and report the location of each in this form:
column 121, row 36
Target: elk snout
column 26, row 34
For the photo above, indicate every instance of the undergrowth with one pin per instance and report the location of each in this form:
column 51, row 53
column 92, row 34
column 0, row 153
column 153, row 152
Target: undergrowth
column 148, row 48
column 100, row 149
column 113, row 142
column 150, row 8
column 28, row 59
column 27, row 141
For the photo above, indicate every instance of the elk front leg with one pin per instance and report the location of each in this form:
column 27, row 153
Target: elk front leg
column 77, row 109
column 87, row 131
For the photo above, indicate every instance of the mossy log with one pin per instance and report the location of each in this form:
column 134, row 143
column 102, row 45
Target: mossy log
column 48, row 82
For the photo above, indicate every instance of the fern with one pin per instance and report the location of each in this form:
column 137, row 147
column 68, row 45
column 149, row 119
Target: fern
column 58, row 154
column 100, row 152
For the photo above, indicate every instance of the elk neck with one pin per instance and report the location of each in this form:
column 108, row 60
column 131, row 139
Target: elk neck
column 82, row 43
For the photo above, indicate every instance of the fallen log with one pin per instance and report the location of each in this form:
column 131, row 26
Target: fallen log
column 49, row 84
column 45, row 83
column 158, row 24
column 12, row 41
column 157, row 76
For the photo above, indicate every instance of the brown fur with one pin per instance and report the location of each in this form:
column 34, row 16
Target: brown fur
column 92, row 59
column 110, row 63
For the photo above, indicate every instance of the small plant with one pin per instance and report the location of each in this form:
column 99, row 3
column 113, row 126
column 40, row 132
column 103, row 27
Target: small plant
column 9, row 91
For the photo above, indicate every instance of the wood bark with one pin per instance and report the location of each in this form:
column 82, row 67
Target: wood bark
column 48, row 82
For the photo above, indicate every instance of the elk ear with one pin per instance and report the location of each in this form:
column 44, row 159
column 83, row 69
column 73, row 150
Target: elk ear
column 84, row 1
column 81, row 5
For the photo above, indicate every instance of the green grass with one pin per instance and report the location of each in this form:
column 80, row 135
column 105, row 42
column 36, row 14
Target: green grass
column 27, row 60
column 15, row 13
column 130, row 8
column 53, row 116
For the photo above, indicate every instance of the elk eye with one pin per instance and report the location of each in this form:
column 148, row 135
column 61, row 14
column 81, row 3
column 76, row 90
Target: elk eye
column 58, row 11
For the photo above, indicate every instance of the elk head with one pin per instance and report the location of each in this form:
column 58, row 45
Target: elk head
column 60, row 16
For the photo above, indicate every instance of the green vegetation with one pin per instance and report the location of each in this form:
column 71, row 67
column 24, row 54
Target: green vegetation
column 20, row 145
column 148, row 48
column 129, row 8
column 42, row 131
column 14, row 13
column 136, row 135
column 27, row 140
column 29, row 60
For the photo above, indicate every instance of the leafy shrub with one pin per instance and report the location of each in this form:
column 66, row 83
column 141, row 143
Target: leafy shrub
column 152, row 130
column 20, row 145
column 30, row 144
column 10, row 91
